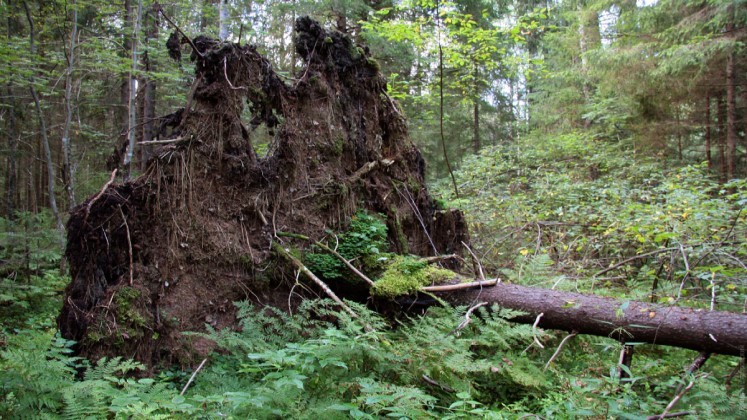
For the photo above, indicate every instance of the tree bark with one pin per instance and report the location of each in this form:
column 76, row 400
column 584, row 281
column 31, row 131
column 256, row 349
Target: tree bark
column 11, row 174
column 44, row 137
column 476, row 143
column 709, row 158
column 721, row 116
column 131, row 103
column 223, row 20
column 67, row 149
column 731, row 107
column 626, row 321
column 148, row 114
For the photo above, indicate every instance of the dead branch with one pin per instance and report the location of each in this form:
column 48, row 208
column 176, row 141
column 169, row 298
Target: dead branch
column 192, row 378
column 167, row 141
column 560, row 347
column 636, row 257
column 284, row 252
column 430, row 381
column 460, row 286
column 225, row 74
column 734, row 372
column 351, row 267
column 676, row 399
column 189, row 40
column 439, row 258
column 695, row 366
column 467, row 318
column 97, row 196
column 476, row 261
column 129, row 240
column 670, row 415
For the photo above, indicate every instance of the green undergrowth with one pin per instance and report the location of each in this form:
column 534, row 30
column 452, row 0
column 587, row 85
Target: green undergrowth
column 317, row 362
column 364, row 242
column 584, row 204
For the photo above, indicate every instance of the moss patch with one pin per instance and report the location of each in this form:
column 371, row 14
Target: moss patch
column 407, row 275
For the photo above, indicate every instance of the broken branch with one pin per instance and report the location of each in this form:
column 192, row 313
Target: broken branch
column 467, row 318
column 191, row 44
column 284, row 252
column 103, row 190
column 331, row 251
column 192, row 378
column 560, row 347
column 460, row 286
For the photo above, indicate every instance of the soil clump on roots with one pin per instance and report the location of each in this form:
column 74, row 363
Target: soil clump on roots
column 172, row 250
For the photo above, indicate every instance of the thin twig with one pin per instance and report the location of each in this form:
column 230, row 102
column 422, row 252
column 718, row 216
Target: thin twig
column 734, row 372
column 103, row 190
column 670, row 415
column 167, row 141
column 192, row 378
column 560, row 347
column 476, row 261
column 129, row 240
column 695, row 366
column 430, row 381
column 225, row 73
column 191, row 44
column 460, row 286
column 636, row 257
column 534, row 333
column 467, row 318
column 439, row 258
column 676, row 399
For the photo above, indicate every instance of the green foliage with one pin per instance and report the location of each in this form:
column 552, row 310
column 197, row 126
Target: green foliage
column 29, row 273
column 584, row 205
column 364, row 239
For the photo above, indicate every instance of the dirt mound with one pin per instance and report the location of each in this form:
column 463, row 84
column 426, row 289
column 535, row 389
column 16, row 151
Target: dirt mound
column 173, row 249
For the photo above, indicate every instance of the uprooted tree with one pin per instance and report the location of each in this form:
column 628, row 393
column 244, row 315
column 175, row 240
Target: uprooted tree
column 173, row 249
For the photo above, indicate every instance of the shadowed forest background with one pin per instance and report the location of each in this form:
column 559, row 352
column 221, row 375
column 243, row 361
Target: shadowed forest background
column 595, row 147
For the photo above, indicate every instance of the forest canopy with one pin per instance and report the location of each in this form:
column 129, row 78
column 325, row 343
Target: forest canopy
column 252, row 208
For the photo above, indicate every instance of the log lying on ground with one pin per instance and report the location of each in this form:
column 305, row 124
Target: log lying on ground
column 627, row 321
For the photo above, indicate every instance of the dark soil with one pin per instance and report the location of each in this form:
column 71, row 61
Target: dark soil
column 173, row 249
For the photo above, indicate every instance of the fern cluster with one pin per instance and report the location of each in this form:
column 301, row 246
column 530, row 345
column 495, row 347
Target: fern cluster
column 318, row 362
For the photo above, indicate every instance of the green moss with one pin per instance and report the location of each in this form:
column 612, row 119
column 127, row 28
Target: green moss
column 407, row 275
column 374, row 64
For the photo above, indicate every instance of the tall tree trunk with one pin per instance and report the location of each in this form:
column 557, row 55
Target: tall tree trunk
column 67, row 149
column 721, row 116
column 131, row 104
column 43, row 129
column 11, row 174
column 709, row 159
column 223, row 20
column 149, row 87
column 731, row 106
column 476, row 113
column 125, row 84
column 589, row 39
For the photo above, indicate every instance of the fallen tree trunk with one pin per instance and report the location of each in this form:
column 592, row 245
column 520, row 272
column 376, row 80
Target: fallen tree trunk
column 626, row 321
